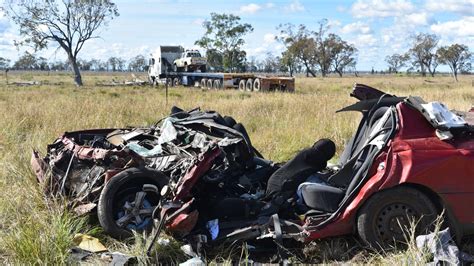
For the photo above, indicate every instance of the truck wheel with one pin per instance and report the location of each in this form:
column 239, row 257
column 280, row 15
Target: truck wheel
column 169, row 82
column 209, row 84
column 124, row 205
column 385, row 219
column 256, row 85
column 203, row 83
column 176, row 82
column 242, row 85
column 216, row 84
column 249, row 85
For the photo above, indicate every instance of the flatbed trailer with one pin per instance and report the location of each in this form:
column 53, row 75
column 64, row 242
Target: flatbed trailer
column 241, row 81
column 161, row 70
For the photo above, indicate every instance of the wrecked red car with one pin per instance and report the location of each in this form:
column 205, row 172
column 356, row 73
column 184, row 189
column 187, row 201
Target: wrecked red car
column 197, row 175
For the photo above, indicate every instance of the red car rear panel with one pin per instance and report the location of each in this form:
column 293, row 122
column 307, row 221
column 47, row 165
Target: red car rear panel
column 417, row 156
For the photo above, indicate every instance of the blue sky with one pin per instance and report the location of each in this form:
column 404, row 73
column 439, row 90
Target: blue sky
column 377, row 28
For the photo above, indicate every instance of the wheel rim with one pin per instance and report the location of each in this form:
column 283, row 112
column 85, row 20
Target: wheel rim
column 135, row 212
column 393, row 222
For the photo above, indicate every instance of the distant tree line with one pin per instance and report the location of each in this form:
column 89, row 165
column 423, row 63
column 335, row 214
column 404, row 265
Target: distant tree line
column 306, row 51
column 69, row 24
column 29, row 61
column 425, row 56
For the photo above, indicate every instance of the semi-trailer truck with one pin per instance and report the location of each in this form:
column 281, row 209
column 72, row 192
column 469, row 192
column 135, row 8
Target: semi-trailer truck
column 162, row 68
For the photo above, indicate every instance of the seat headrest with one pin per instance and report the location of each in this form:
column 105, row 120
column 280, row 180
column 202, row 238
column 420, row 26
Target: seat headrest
column 325, row 149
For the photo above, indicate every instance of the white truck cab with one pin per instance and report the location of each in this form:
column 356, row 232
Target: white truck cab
column 161, row 62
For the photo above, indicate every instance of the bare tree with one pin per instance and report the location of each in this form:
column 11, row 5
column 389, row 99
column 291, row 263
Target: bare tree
column 396, row 61
column 423, row 52
column 456, row 56
column 68, row 23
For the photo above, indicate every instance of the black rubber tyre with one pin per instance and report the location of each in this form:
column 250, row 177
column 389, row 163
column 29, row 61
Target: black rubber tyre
column 209, row 84
column 176, row 82
column 216, row 84
column 169, row 82
column 122, row 188
column 256, row 85
column 249, row 85
column 242, row 85
column 203, row 83
column 383, row 220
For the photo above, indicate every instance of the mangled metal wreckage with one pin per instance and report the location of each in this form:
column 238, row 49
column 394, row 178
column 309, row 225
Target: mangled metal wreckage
column 196, row 175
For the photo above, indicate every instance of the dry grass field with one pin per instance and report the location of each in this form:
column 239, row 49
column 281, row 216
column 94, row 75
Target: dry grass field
column 37, row 231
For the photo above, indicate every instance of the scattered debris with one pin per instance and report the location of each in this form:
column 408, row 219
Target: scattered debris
column 88, row 243
column 25, row 83
column 77, row 254
column 118, row 259
column 84, row 208
column 443, row 248
column 196, row 261
column 134, row 82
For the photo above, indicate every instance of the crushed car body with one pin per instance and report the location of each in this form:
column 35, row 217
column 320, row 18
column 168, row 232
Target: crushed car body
column 197, row 175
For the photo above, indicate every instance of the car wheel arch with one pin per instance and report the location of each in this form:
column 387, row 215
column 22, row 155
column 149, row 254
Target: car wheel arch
column 433, row 197
column 441, row 206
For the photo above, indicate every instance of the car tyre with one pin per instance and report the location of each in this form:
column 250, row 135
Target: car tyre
column 384, row 220
column 123, row 188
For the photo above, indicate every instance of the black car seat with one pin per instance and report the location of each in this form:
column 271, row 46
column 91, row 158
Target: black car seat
column 286, row 179
column 358, row 156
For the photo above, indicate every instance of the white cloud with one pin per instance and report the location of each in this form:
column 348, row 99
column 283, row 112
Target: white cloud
column 341, row 8
column 269, row 38
column 4, row 22
column 268, row 45
column 250, row 8
column 416, row 19
column 379, row 8
column 198, row 21
column 295, row 6
column 269, row 5
column 364, row 40
column 253, row 8
column 356, row 27
column 456, row 28
column 334, row 23
column 465, row 7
